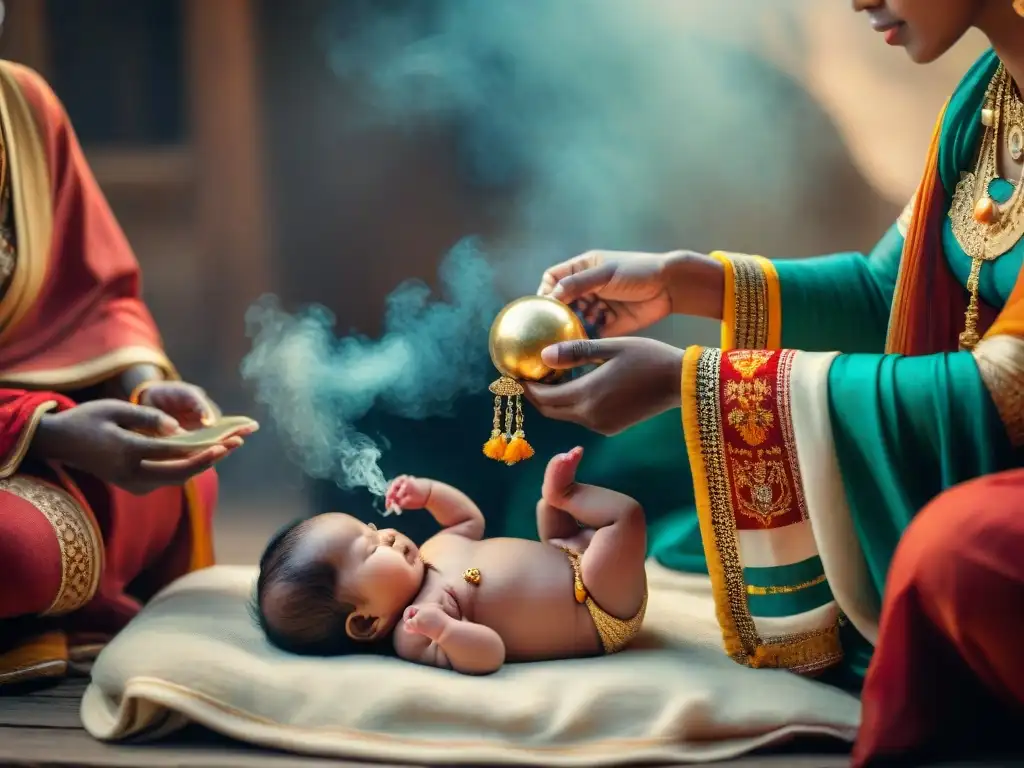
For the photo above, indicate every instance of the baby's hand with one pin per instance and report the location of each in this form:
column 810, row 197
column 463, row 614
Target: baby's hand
column 426, row 620
column 408, row 492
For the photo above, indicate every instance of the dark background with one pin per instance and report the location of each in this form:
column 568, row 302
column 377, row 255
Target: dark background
column 233, row 157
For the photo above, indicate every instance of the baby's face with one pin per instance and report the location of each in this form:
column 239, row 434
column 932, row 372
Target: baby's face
column 379, row 571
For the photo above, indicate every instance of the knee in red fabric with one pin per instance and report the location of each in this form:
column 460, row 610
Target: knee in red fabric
column 969, row 539
column 947, row 668
column 30, row 558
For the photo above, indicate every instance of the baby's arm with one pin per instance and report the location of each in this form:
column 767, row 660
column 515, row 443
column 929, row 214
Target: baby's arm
column 454, row 510
column 613, row 565
column 430, row 636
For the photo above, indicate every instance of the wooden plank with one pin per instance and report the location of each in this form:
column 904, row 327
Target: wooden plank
column 49, row 747
column 40, row 711
column 228, row 144
column 25, row 37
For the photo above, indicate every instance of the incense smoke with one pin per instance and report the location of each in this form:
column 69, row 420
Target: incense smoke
column 317, row 386
column 614, row 123
column 620, row 124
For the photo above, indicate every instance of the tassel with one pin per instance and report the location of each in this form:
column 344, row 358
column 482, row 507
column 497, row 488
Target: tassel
column 495, row 447
column 508, row 441
column 518, row 449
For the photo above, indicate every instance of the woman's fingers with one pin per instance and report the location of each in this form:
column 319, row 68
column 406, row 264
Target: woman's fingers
column 154, row 449
column 552, row 276
column 180, row 470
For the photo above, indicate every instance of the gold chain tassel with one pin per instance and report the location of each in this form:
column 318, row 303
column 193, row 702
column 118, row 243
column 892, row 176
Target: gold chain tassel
column 507, row 442
column 495, row 447
column 518, row 448
column 969, row 338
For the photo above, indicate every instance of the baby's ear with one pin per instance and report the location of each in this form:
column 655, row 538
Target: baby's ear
column 362, row 628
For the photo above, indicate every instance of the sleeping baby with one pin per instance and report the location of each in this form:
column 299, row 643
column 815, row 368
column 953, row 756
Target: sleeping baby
column 333, row 585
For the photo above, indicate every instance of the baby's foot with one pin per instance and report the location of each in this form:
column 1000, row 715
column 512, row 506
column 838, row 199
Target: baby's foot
column 560, row 475
column 408, row 492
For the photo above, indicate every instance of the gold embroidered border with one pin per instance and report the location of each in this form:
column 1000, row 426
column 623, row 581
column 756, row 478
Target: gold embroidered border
column 786, row 423
column 81, row 548
column 785, row 589
column 89, row 372
column 751, row 304
column 32, row 199
column 1000, row 361
column 804, row 652
column 751, row 315
column 17, row 455
column 719, row 514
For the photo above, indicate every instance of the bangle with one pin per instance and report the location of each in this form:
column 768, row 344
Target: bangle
column 140, row 390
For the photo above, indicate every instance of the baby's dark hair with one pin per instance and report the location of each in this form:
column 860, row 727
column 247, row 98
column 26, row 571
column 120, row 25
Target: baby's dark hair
column 312, row 621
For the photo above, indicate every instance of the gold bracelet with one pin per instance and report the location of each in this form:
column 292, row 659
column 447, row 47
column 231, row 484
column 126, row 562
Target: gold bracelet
column 140, row 390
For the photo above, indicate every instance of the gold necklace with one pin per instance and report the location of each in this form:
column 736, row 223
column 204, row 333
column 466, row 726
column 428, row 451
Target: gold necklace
column 984, row 228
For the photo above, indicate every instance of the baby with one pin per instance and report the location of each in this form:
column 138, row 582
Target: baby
column 332, row 584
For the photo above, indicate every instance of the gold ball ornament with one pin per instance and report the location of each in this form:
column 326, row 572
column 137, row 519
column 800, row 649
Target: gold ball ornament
column 523, row 329
column 518, row 335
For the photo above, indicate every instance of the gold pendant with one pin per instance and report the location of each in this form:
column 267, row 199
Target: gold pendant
column 1015, row 143
column 579, row 590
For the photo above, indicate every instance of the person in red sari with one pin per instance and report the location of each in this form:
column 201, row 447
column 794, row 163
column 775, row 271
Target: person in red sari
column 95, row 513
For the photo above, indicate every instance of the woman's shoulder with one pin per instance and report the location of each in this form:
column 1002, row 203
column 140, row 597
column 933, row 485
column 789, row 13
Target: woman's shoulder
column 37, row 92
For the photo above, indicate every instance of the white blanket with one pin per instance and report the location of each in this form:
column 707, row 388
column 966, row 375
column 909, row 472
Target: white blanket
column 194, row 654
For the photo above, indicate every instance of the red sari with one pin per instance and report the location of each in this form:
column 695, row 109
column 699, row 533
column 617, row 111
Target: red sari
column 77, row 556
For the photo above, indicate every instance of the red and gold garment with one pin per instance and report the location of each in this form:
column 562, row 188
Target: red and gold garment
column 77, row 557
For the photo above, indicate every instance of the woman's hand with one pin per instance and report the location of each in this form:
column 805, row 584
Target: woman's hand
column 639, row 378
column 186, row 403
column 102, row 438
column 622, row 292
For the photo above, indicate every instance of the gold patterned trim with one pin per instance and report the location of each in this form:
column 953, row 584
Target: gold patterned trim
column 707, row 457
column 10, row 466
column 81, row 548
column 906, row 217
column 32, row 199
column 751, row 312
column 1000, row 361
column 703, row 425
column 90, row 372
column 785, row 590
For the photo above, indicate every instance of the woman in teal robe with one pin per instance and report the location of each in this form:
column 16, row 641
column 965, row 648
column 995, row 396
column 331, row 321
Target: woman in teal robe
column 836, row 438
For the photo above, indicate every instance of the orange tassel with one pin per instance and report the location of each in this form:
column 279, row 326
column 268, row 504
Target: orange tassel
column 518, row 449
column 496, row 447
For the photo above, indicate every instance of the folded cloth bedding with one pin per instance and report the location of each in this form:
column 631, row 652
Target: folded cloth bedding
column 194, row 654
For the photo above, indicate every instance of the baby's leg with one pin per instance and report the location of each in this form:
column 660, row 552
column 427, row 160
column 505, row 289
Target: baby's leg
column 613, row 564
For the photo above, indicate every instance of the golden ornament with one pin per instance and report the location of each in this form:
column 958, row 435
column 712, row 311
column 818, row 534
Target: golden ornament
column 472, row 576
column 520, row 332
column 986, row 229
column 985, row 211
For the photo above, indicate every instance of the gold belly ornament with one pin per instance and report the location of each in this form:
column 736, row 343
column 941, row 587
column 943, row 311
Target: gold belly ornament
column 518, row 335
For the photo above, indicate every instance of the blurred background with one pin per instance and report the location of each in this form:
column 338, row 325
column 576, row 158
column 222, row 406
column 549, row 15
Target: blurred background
column 325, row 150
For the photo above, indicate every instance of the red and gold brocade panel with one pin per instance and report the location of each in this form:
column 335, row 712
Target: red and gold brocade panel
column 773, row 601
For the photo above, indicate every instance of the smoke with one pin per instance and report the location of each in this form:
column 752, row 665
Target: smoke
column 615, row 124
column 317, row 386
column 621, row 124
